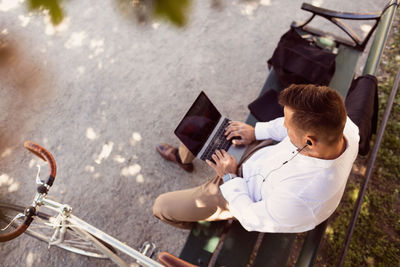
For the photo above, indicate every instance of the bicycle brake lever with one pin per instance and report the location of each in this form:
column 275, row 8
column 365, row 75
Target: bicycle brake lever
column 148, row 249
column 19, row 215
column 38, row 181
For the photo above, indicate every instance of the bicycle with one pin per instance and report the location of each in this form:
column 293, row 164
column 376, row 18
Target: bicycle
column 60, row 227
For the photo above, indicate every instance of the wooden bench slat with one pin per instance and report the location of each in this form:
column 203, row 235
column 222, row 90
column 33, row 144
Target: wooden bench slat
column 311, row 244
column 346, row 61
column 238, row 242
column 274, row 250
column 201, row 242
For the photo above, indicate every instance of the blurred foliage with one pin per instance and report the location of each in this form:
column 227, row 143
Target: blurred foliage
column 175, row 11
column 51, row 6
column 376, row 238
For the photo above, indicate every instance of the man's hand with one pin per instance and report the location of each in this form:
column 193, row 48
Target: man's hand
column 224, row 163
column 244, row 133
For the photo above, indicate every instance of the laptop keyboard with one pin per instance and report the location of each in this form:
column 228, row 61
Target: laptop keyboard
column 218, row 142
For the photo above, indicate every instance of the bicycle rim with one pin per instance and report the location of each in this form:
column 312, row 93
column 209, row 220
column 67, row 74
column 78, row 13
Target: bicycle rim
column 42, row 228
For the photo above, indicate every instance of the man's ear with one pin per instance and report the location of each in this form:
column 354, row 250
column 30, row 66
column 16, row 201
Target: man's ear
column 310, row 140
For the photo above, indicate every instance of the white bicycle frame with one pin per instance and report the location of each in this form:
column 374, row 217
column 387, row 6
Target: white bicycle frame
column 66, row 219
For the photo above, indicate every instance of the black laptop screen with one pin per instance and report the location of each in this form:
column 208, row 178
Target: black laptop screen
column 198, row 124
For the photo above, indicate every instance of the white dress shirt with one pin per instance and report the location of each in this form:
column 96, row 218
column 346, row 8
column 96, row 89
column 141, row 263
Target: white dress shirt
column 291, row 197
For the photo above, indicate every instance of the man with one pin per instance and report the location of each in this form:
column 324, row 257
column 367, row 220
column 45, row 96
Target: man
column 290, row 186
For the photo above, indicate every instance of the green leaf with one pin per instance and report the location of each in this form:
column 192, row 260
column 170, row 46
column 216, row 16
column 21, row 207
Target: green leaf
column 53, row 7
column 173, row 10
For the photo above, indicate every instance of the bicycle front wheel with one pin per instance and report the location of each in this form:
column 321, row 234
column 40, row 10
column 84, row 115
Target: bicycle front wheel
column 43, row 226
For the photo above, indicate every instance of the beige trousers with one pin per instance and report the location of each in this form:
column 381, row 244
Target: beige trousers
column 185, row 155
column 202, row 203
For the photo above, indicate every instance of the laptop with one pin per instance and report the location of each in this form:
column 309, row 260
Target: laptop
column 202, row 130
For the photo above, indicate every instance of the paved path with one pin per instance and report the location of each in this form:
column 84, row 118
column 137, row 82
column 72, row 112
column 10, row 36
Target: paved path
column 101, row 91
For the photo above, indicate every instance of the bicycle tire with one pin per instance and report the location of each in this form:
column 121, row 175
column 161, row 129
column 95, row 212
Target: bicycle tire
column 39, row 230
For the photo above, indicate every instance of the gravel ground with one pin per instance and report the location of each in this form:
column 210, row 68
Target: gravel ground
column 101, row 90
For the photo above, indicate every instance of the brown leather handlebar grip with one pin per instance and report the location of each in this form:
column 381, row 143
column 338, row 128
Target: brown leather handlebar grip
column 45, row 155
column 170, row 260
column 29, row 213
column 17, row 232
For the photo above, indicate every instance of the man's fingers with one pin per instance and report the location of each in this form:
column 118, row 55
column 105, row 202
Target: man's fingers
column 215, row 158
column 238, row 142
column 210, row 163
column 218, row 153
column 230, row 129
column 232, row 135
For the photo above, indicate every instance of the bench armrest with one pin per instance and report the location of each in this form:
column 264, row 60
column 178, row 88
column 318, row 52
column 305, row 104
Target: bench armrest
column 338, row 14
column 336, row 18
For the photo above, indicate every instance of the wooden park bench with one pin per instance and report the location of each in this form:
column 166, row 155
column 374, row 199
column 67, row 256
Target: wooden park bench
column 226, row 243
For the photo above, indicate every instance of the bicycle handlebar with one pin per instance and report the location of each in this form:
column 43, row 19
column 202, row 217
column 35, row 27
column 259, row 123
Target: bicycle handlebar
column 29, row 212
column 42, row 153
column 45, row 155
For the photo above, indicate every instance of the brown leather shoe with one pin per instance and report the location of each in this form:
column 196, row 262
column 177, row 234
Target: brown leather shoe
column 170, row 153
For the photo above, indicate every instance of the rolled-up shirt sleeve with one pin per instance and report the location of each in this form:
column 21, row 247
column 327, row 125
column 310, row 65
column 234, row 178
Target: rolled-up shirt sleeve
column 280, row 212
column 273, row 129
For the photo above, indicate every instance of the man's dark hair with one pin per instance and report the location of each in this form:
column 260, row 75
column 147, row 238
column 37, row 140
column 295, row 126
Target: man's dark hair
column 317, row 109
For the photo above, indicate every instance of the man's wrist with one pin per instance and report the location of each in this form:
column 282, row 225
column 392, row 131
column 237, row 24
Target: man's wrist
column 228, row 176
